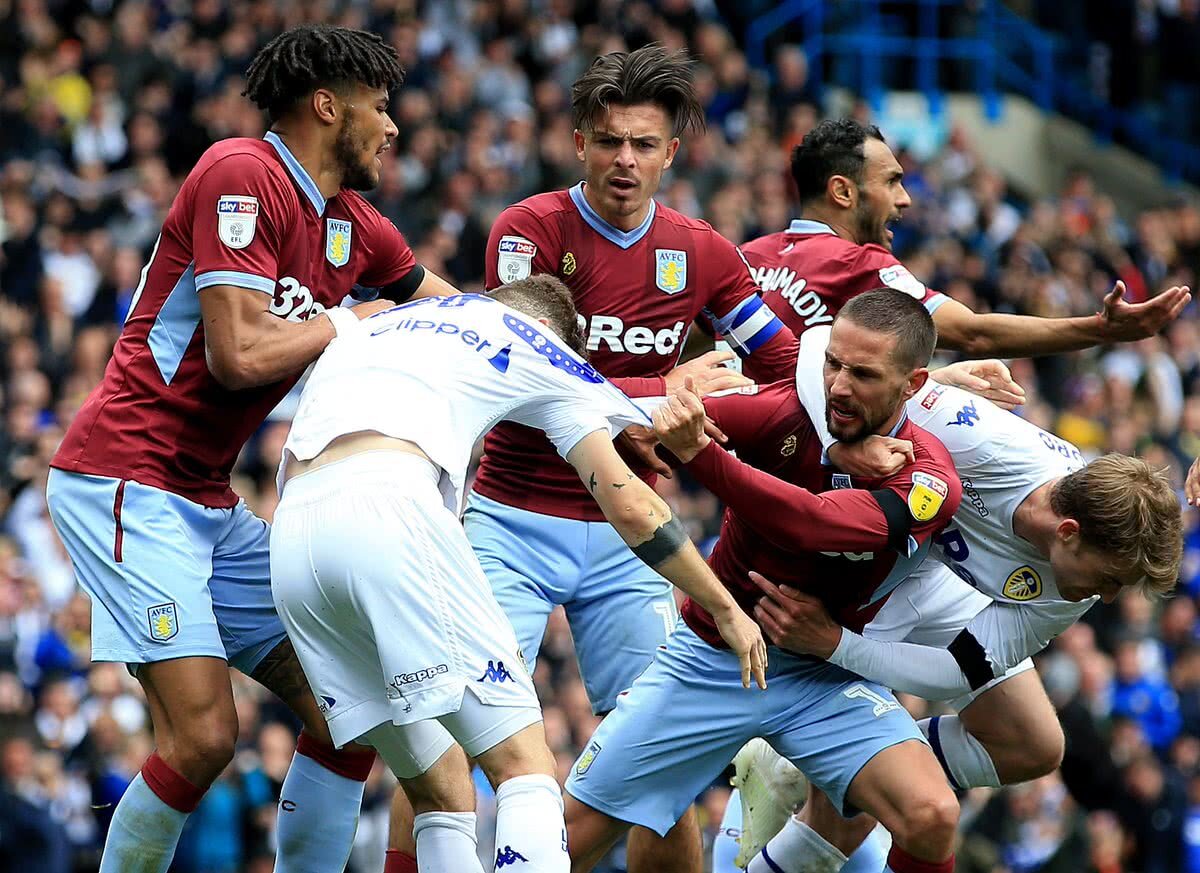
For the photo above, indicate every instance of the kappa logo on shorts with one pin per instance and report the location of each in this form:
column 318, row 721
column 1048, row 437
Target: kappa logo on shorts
column 164, row 622
column 495, row 672
column 586, row 759
column 508, row 855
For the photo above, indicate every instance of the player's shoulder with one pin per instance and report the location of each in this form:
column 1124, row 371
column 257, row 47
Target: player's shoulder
column 539, row 205
column 239, row 154
column 356, row 207
column 770, row 246
column 928, row 450
column 672, row 221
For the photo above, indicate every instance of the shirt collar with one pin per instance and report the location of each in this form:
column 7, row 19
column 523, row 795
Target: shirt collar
column 297, row 171
column 807, row 225
column 622, row 238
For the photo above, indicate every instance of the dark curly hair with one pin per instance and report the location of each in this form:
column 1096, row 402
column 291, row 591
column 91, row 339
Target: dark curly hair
column 832, row 148
column 650, row 74
column 300, row 60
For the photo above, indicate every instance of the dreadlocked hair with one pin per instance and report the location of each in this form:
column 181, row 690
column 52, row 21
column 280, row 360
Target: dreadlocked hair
column 311, row 56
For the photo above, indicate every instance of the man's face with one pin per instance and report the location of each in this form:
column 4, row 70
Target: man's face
column 366, row 132
column 624, row 156
column 881, row 196
column 864, row 388
column 1083, row 571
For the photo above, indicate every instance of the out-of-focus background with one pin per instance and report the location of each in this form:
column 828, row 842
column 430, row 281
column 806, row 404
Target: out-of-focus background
column 1048, row 148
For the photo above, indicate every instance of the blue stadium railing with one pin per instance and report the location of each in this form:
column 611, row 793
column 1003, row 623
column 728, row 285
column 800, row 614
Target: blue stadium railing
column 1004, row 53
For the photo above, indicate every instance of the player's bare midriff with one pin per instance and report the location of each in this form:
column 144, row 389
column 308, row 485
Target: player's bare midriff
column 354, row 444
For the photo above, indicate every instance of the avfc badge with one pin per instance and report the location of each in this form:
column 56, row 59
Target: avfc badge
column 1023, row 583
column 926, row 496
column 337, row 241
column 586, row 759
column 670, row 270
column 164, row 622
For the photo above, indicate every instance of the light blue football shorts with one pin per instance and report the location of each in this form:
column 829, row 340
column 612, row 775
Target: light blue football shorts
column 686, row 717
column 168, row 578
column 619, row 609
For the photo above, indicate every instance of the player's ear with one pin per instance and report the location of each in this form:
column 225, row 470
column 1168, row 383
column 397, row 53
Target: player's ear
column 1067, row 530
column 842, row 191
column 916, row 381
column 672, row 148
column 325, row 105
column 580, row 142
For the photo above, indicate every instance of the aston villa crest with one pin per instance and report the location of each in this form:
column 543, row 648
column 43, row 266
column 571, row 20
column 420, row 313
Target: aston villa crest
column 337, row 241
column 670, row 270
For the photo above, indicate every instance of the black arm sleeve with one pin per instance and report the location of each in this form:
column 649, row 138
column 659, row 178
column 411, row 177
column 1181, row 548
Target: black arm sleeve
column 405, row 287
column 972, row 659
column 899, row 520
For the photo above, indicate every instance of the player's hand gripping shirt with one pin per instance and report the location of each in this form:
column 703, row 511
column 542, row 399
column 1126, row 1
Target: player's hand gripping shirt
column 441, row 372
column 247, row 215
column 637, row 293
column 1001, row 459
column 800, row 522
column 807, row 273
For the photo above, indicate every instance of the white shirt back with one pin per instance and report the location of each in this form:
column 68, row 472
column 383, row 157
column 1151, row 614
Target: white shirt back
column 441, row 372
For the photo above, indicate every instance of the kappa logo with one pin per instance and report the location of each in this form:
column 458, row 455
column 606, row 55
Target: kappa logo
column 495, row 672
column 670, row 270
column 508, row 855
column 586, row 759
column 1022, row 584
column 337, row 241
column 967, row 416
column 164, row 621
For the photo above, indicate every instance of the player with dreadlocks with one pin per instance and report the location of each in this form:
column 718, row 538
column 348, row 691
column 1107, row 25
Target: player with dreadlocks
column 263, row 242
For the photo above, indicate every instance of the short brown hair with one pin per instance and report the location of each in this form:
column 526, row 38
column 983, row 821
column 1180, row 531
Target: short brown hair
column 650, row 74
column 543, row 296
column 889, row 311
column 1130, row 511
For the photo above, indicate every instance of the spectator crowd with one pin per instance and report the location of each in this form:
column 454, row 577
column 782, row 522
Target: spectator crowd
column 106, row 104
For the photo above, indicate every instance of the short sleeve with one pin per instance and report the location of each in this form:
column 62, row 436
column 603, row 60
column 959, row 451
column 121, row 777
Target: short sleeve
column 240, row 213
column 734, row 306
column 571, row 408
column 930, row 492
column 520, row 245
column 389, row 258
column 893, row 274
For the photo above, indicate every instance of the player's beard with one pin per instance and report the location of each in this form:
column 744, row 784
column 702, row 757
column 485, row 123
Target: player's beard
column 348, row 150
column 869, row 228
column 871, row 423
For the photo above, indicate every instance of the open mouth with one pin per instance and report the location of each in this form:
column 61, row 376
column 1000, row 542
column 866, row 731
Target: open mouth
column 383, row 148
column 842, row 414
column 622, row 185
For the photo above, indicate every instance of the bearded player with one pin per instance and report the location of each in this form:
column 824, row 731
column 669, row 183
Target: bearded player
column 264, row 241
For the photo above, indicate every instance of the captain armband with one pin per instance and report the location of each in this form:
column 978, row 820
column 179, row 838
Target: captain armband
column 668, row 539
column 399, row 291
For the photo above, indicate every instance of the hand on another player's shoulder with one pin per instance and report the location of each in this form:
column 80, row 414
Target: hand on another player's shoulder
column 366, row 310
column 708, row 374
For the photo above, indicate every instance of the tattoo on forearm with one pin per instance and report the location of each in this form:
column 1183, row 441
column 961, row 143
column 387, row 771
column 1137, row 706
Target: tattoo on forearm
column 592, row 483
column 668, row 539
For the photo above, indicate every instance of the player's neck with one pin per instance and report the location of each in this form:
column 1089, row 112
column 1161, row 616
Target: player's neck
column 837, row 223
column 624, row 223
column 1035, row 521
column 308, row 149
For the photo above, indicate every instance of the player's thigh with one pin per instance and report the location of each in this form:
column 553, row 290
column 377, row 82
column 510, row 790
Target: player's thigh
column 530, row 560
column 144, row 556
column 192, row 710
column 900, row 786
column 622, row 613
column 241, row 590
column 670, row 735
column 413, row 750
column 1016, row 722
column 507, row 740
column 831, row 723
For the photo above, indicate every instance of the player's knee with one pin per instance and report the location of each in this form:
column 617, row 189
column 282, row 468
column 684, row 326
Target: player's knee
column 928, row 823
column 1041, row 753
column 205, row 748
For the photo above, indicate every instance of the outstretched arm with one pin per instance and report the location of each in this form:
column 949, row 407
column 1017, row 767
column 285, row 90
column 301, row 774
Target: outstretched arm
column 658, row 538
column 1013, row 336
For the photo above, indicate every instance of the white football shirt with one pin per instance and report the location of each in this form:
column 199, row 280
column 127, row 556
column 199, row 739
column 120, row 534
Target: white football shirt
column 441, row 372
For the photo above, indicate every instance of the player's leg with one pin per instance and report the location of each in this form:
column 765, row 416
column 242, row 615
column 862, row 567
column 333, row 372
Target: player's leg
column 863, row 750
column 669, row 737
column 143, row 556
column 322, row 792
column 622, row 612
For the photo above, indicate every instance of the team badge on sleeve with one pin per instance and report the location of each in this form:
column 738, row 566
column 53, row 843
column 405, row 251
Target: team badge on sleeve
column 237, row 217
column 515, row 258
column 337, row 241
column 1023, row 583
column 670, row 270
column 164, row 622
column 926, row 496
column 899, row 278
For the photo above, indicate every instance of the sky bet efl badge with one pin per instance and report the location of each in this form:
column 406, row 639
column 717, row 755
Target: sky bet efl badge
column 236, row 219
column 337, row 241
column 926, row 496
column 164, row 622
column 670, row 270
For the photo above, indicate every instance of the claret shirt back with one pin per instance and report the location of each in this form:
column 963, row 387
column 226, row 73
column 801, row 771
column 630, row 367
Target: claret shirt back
column 247, row 215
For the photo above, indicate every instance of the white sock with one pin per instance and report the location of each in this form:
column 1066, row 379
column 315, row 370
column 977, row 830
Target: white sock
column 143, row 833
column 964, row 759
column 318, row 815
column 446, row 841
column 531, row 836
column 870, row 857
column 797, row 849
column 725, row 845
